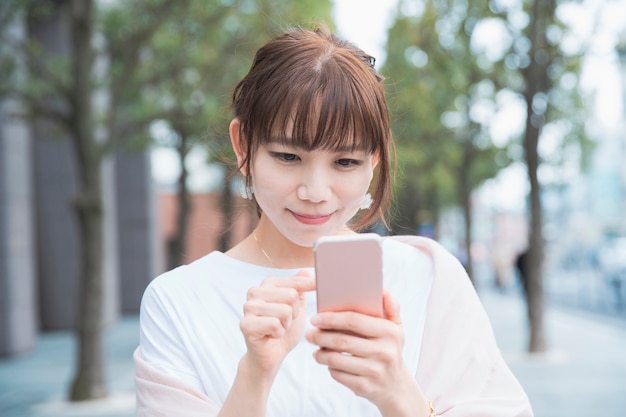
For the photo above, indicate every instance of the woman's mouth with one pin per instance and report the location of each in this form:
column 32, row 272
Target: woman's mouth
column 311, row 219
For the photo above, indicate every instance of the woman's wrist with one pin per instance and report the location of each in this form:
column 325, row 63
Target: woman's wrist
column 250, row 390
column 407, row 401
column 260, row 377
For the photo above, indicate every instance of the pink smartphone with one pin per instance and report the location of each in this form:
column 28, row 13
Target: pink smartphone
column 349, row 273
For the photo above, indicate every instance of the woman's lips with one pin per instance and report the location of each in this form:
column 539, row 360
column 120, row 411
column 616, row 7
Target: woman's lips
column 311, row 219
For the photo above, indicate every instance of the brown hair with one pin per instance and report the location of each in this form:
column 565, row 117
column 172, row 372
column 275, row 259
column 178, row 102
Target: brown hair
column 327, row 92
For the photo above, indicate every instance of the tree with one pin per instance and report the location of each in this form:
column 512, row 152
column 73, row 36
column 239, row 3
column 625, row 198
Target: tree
column 61, row 89
column 532, row 65
column 544, row 67
column 537, row 81
column 439, row 81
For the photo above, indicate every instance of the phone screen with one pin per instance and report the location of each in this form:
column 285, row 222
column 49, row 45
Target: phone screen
column 349, row 273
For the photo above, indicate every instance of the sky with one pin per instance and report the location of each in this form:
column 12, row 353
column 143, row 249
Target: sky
column 365, row 22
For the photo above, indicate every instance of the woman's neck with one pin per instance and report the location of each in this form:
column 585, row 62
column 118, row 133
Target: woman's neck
column 267, row 246
column 279, row 251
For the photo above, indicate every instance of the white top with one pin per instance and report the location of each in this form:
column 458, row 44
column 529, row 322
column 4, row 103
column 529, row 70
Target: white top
column 189, row 328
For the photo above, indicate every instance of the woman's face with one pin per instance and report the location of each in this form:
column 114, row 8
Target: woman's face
column 309, row 194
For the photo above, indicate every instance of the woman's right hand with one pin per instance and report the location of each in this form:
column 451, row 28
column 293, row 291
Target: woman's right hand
column 274, row 320
column 273, row 323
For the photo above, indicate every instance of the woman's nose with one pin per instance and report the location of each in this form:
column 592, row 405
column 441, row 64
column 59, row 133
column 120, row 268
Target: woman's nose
column 314, row 187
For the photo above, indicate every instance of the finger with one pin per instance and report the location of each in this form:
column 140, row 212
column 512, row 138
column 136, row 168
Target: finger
column 260, row 327
column 271, row 294
column 352, row 322
column 301, row 282
column 341, row 342
column 281, row 311
column 341, row 362
column 391, row 308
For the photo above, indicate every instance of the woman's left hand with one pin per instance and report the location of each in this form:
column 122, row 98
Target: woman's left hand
column 364, row 353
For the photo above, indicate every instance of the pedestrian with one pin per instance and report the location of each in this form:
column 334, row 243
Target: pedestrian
column 237, row 333
column 521, row 264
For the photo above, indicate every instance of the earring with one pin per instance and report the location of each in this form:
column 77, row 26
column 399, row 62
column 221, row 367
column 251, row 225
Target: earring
column 367, row 202
column 246, row 192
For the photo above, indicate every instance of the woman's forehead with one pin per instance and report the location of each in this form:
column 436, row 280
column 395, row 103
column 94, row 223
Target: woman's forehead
column 314, row 127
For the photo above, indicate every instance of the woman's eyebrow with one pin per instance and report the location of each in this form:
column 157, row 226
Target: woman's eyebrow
column 344, row 148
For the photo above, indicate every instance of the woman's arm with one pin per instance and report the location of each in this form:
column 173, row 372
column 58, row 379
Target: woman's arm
column 273, row 323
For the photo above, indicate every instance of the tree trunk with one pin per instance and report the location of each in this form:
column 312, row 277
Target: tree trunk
column 408, row 219
column 466, row 194
column 177, row 244
column 537, row 81
column 228, row 210
column 88, row 382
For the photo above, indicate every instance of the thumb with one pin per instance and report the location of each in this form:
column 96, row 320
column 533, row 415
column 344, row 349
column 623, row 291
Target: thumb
column 391, row 308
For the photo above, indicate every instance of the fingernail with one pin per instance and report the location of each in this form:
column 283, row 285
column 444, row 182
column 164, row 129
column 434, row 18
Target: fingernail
column 315, row 320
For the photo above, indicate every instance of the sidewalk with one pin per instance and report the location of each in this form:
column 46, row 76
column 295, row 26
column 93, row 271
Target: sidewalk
column 36, row 384
column 582, row 374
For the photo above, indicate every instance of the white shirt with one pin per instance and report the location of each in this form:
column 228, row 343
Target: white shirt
column 189, row 328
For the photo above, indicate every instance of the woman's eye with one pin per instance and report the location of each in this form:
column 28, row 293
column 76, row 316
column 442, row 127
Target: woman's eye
column 287, row 157
column 347, row 162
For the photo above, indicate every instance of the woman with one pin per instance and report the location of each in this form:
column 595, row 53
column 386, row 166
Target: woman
column 237, row 334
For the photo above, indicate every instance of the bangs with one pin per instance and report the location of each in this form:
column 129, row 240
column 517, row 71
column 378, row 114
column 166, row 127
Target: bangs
column 324, row 107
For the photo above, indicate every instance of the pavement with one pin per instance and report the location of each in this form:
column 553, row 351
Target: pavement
column 583, row 373
column 36, row 384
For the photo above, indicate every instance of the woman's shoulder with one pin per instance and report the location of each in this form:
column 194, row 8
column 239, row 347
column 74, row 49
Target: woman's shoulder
column 404, row 247
column 440, row 259
column 422, row 243
column 214, row 269
column 184, row 275
column 427, row 246
column 402, row 259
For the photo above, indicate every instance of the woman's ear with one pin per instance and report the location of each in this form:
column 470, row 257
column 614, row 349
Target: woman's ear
column 235, row 141
column 375, row 160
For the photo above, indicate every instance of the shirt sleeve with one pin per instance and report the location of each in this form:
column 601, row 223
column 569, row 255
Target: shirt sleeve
column 159, row 394
column 162, row 338
column 461, row 369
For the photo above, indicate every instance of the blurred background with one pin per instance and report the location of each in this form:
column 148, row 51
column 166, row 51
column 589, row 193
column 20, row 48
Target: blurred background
column 510, row 123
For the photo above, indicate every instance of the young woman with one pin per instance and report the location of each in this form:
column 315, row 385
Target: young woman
column 237, row 333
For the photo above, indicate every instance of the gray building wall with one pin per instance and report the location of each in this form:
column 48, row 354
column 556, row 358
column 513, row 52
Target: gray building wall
column 137, row 226
column 40, row 244
column 57, row 183
column 18, row 304
column 58, row 245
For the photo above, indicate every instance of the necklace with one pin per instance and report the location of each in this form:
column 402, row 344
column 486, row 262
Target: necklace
column 262, row 250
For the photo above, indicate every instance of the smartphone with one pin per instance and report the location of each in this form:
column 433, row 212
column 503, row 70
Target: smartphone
column 349, row 273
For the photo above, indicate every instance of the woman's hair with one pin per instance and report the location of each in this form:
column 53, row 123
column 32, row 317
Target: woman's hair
column 313, row 90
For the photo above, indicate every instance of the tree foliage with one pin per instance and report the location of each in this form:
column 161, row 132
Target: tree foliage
column 187, row 73
column 442, row 86
column 447, row 86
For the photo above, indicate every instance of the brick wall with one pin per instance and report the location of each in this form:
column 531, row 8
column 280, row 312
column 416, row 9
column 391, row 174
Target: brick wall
column 206, row 223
